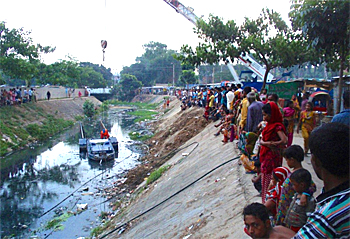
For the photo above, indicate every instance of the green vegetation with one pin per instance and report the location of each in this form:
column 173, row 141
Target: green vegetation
column 56, row 222
column 139, row 105
column 127, row 87
column 49, row 127
column 138, row 136
column 142, row 115
column 98, row 230
column 156, row 174
column 20, row 64
column 16, row 133
column 89, row 108
column 143, row 110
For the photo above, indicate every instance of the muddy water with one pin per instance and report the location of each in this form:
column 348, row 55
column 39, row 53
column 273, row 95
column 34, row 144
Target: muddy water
column 34, row 181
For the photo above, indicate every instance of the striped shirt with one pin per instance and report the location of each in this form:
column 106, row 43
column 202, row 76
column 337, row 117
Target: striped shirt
column 332, row 216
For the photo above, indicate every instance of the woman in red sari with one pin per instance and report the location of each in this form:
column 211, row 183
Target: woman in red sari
column 273, row 142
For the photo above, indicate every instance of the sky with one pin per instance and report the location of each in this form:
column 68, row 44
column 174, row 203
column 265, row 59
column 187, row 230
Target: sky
column 76, row 27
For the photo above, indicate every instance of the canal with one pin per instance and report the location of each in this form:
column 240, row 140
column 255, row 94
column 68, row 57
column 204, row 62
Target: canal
column 39, row 185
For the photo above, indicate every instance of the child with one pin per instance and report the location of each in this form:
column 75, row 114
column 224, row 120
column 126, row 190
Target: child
column 257, row 178
column 297, row 214
column 308, row 121
column 272, row 197
column 247, row 151
column 294, row 155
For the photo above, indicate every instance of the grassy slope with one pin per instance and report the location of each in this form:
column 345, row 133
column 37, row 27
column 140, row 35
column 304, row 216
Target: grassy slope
column 20, row 125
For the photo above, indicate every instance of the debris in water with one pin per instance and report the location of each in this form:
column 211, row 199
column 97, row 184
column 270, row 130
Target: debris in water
column 82, row 206
column 88, row 193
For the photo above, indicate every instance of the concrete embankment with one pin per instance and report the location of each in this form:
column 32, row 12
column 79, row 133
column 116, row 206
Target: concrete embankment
column 210, row 208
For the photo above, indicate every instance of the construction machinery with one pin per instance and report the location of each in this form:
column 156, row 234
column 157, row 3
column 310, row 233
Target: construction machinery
column 258, row 71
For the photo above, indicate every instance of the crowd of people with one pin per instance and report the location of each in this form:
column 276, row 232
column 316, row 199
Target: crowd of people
column 263, row 131
column 17, row 96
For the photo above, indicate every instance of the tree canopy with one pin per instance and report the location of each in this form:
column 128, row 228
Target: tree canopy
column 19, row 56
column 326, row 28
column 127, row 87
column 155, row 65
column 266, row 38
column 20, row 60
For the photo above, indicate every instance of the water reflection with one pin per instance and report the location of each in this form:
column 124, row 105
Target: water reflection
column 35, row 180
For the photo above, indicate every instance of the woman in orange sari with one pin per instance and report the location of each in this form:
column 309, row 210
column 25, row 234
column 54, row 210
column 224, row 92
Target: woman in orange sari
column 308, row 122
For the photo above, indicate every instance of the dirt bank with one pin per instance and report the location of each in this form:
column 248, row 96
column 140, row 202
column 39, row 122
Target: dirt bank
column 67, row 108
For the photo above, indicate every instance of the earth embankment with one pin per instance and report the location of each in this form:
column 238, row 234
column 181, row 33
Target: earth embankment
column 66, row 108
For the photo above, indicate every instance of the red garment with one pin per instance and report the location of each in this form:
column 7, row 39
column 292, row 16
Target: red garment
column 272, row 158
column 104, row 134
column 265, row 181
column 275, row 193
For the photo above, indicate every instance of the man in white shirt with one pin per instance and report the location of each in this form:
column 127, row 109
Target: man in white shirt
column 230, row 96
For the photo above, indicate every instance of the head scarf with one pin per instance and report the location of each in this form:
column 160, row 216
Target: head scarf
column 274, row 121
column 288, row 111
column 282, row 174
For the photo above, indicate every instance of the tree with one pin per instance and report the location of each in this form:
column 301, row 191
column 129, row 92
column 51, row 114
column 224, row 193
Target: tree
column 89, row 108
column 90, row 77
column 220, row 43
column 140, row 72
column 19, row 57
column 127, row 87
column 326, row 27
column 155, row 65
column 267, row 38
column 188, row 75
column 106, row 73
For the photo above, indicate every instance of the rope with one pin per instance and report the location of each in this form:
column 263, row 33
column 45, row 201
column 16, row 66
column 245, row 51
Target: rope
column 71, row 194
column 179, row 149
column 173, row 195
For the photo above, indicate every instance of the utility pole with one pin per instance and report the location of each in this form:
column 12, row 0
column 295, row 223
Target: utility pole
column 173, row 74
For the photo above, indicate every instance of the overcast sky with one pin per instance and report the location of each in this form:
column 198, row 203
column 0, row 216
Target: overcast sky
column 76, row 27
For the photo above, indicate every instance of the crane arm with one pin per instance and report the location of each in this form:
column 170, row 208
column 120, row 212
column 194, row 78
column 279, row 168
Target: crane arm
column 254, row 66
column 184, row 11
column 189, row 15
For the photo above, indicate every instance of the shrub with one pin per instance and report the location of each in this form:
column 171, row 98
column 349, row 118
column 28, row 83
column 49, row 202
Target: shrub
column 156, row 174
column 89, row 108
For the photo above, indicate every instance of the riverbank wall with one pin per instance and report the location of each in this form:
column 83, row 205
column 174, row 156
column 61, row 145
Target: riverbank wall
column 202, row 195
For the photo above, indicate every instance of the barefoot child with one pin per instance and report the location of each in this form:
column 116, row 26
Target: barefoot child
column 297, row 214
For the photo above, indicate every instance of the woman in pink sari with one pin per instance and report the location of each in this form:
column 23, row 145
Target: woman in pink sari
column 289, row 116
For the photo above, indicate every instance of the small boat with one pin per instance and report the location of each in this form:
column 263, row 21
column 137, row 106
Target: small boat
column 98, row 149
